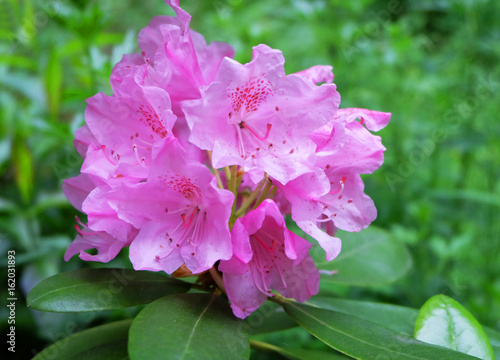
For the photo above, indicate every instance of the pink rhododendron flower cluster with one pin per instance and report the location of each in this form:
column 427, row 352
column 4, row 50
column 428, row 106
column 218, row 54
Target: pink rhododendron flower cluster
column 196, row 159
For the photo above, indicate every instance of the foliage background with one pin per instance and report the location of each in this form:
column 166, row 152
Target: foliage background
column 433, row 64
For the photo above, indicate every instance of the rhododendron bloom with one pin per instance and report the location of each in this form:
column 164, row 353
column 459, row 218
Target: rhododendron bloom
column 181, row 213
column 255, row 116
column 107, row 246
column 267, row 256
column 181, row 55
column 195, row 160
column 342, row 202
column 124, row 128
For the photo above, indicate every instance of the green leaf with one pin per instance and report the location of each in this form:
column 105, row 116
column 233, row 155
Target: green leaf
column 105, row 342
column 23, row 165
column 363, row 339
column 394, row 317
column 188, row 327
column 297, row 354
column 398, row 318
column 443, row 321
column 269, row 317
column 494, row 337
column 101, row 289
column 370, row 257
column 53, row 82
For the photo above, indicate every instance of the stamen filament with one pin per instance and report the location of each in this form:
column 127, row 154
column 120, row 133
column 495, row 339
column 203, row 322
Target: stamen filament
column 146, row 142
column 141, row 161
column 82, row 232
column 240, row 138
column 103, row 147
column 183, row 216
column 262, row 138
column 341, row 187
column 325, row 219
column 273, row 244
column 260, row 271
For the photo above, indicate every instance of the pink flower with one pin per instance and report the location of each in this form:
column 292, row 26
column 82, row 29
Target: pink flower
column 182, row 110
column 181, row 215
column 267, row 256
column 126, row 66
column 255, row 116
column 333, row 195
column 108, row 234
column 318, row 74
column 123, row 129
column 181, row 55
column 107, row 246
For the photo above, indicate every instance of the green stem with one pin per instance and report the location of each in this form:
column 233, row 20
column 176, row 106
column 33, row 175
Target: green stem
column 280, row 299
column 264, row 193
column 233, row 186
column 217, row 278
column 273, row 192
column 259, row 345
column 250, row 199
column 228, row 175
column 232, row 180
column 216, row 171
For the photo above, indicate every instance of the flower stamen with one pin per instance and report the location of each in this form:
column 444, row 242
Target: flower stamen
column 185, row 222
column 340, row 188
column 273, row 244
column 262, row 138
column 103, row 148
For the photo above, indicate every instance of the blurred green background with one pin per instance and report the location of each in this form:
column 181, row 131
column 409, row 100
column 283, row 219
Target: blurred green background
column 433, row 64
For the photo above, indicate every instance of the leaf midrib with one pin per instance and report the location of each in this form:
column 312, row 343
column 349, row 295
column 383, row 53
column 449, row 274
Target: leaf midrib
column 194, row 327
column 350, row 336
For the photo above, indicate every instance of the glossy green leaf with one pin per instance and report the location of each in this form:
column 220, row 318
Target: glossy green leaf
column 101, row 289
column 494, row 337
column 398, row 318
column 105, row 342
column 394, row 317
column 363, row 339
column 188, row 327
column 297, row 354
column 443, row 321
column 370, row 257
column 269, row 317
